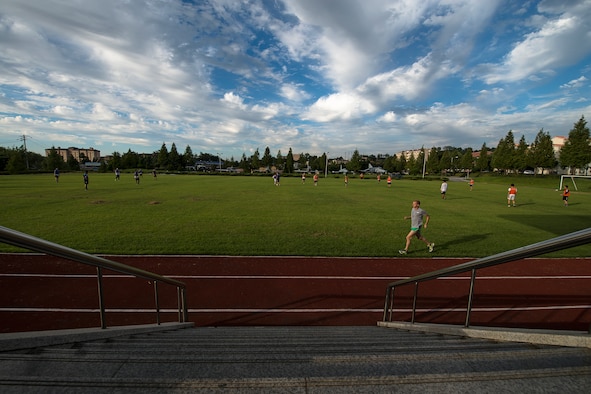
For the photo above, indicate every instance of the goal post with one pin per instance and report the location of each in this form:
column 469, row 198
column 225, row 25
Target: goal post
column 572, row 178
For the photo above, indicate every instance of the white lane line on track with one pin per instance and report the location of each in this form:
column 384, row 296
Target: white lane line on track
column 295, row 277
column 297, row 310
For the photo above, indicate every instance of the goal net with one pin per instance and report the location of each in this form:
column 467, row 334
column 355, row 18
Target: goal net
column 571, row 179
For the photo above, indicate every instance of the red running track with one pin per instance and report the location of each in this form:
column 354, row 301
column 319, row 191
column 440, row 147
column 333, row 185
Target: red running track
column 39, row 292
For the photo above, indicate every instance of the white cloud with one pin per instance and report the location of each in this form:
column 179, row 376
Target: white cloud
column 575, row 83
column 339, row 106
column 550, row 47
column 294, row 92
column 229, row 76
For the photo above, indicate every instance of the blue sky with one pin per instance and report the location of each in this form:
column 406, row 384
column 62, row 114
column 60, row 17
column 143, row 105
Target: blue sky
column 229, row 77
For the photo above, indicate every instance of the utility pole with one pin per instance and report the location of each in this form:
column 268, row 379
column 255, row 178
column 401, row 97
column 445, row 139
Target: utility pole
column 24, row 139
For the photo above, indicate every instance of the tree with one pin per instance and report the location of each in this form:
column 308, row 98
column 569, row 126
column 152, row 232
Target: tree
column 503, row 158
column 267, row 160
column 17, row 161
column 483, row 162
column 433, row 166
column 576, row 152
column 255, row 161
column 244, row 164
column 279, row 160
column 163, row 157
column 355, row 162
column 411, row 164
column 115, row 162
column 73, row 163
column 541, row 153
column 188, row 158
column 467, row 161
column 174, row 159
column 289, row 167
column 303, row 161
column 129, row 160
column 520, row 161
column 54, row 160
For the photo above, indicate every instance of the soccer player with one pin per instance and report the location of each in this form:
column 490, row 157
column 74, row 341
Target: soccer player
column 511, row 193
column 565, row 195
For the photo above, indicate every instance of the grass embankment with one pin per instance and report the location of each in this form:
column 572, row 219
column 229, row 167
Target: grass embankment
column 247, row 215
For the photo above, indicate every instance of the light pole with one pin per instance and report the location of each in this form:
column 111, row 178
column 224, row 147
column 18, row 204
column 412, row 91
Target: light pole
column 424, row 161
column 326, row 165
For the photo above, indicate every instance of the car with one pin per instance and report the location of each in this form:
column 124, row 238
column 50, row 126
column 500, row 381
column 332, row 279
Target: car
column 528, row 172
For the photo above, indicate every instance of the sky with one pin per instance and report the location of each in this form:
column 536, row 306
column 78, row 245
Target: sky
column 228, row 77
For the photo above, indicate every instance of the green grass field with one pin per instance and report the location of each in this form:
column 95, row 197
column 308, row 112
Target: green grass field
column 247, row 215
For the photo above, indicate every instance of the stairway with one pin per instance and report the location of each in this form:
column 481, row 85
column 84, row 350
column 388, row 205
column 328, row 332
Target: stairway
column 293, row 360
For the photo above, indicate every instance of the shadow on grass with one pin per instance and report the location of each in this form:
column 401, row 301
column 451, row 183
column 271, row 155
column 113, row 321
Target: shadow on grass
column 461, row 240
column 556, row 224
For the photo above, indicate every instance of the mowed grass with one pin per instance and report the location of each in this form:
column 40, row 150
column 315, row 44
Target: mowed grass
column 247, row 215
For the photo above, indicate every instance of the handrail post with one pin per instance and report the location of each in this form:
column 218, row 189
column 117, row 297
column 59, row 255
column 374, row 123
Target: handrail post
column 157, row 302
column 179, row 304
column 185, row 307
column 389, row 290
column 99, row 276
column 470, row 298
column 392, row 304
column 414, row 302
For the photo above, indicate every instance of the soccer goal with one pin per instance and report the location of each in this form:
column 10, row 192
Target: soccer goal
column 572, row 180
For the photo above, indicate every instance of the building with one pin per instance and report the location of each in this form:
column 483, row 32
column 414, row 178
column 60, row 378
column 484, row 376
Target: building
column 80, row 154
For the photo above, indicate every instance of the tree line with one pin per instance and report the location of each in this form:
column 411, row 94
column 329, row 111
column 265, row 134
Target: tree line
column 507, row 157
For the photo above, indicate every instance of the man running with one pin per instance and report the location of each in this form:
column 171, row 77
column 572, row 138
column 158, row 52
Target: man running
column 417, row 214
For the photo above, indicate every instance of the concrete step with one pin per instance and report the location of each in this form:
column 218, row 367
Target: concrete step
column 294, row 359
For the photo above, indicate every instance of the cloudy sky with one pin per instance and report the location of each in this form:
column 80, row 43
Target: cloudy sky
column 230, row 77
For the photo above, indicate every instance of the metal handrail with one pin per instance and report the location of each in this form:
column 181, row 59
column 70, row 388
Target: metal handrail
column 29, row 242
column 567, row 241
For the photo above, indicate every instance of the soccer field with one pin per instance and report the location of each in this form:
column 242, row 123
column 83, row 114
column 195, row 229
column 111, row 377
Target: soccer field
column 248, row 215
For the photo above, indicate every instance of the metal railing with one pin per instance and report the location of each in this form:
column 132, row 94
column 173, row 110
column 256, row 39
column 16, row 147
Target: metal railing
column 29, row 242
column 577, row 238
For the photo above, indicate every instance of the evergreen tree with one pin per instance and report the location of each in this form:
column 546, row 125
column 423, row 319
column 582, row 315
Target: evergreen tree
column 255, row 161
column 520, row 162
column 541, row 153
column 289, row 166
column 355, row 162
column 418, row 166
column 503, row 158
column 54, row 160
column 73, row 163
column 411, row 164
column 163, row 157
column 433, row 166
column 267, row 160
column 402, row 164
column 576, row 152
column 467, row 161
column 279, row 160
column 188, row 159
column 174, row 159
column 244, row 163
column 483, row 162
column 129, row 160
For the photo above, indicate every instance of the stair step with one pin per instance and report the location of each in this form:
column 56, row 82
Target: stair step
column 292, row 359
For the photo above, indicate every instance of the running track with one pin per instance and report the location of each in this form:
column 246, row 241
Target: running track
column 39, row 292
